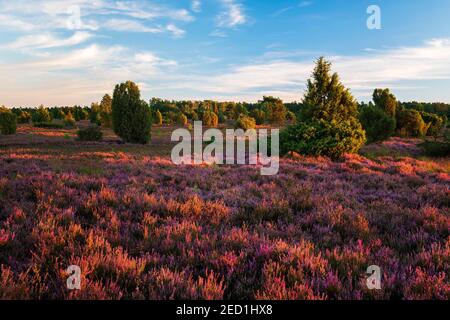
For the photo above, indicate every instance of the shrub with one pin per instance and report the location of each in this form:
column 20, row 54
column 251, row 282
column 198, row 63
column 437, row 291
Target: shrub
column 24, row 117
column 158, row 118
column 322, row 138
column 182, row 120
column 8, row 122
column 69, row 120
column 132, row 119
column 378, row 125
column 245, row 122
column 92, row 133
column 41, row 115
column 210, row 119
column 436, row 149
column 49, row 125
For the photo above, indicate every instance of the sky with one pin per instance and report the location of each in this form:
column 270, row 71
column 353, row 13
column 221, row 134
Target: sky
column 72, row 52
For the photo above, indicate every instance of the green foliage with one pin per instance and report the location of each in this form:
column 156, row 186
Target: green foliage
column 92, row 133
column 410, row 123
column 69, row 120
column 222, row 117
column 259, row 116
column 24, row 117
column 327, row 98
column 378, row 125
column 106, row 111
column 330, row 126
column 436, row 123
column 8, row 122
column 41, row 115
column 182, row 120
column 436, row 148
column 245, row 122
column 274, row 109
column 158, row 118
column 210, row 119
column 94, row 115
column 290, row 116
column 323, row 138
column 131, row 116
column 386, row 101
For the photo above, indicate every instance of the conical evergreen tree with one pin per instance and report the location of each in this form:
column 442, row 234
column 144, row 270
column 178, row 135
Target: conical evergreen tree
column 131, row 116
column 329, row 124
column 327, row 98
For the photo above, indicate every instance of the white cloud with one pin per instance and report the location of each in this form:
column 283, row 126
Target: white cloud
column 177, row 32
column 125, row 25
column 10, row 22
column 26, row 15
column 233, row 15
column 196, row 5
column 394, row 68
column 77, row 76
column 46, row 41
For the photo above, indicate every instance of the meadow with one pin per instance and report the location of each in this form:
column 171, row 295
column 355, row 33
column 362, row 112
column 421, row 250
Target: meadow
column 142, row 228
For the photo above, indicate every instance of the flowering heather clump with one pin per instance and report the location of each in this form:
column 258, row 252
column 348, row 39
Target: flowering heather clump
column 141, row 228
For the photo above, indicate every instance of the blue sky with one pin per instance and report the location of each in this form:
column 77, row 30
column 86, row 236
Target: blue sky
column 72, row 52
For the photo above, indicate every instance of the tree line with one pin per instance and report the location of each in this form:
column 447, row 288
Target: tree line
column 329, row 121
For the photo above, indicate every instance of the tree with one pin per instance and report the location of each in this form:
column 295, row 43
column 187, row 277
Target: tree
column 131, row 116
column 245, row 122
column 8, row 121
column 274, row 110
column 327, row 98
column 386, row 101
column 221, row 117
column 259, row 116
column 94, row 115
column 69, row 120
column 106, row 111
column 182, row 120
column 158, row 118
column 410, row 123
column 329, row 123
column 41, row 115
column 436, row 124
column 378, row 125
column 210, row 119
column 24, row 117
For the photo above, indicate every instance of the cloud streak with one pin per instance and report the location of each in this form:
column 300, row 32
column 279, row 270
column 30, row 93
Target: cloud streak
column 232, row 16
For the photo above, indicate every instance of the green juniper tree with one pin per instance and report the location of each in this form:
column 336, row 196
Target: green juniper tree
column 106, row 111
column 131, row 116
column 329, row 122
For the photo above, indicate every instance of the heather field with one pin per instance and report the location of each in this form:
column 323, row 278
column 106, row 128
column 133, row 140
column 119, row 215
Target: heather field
column 142, row 228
